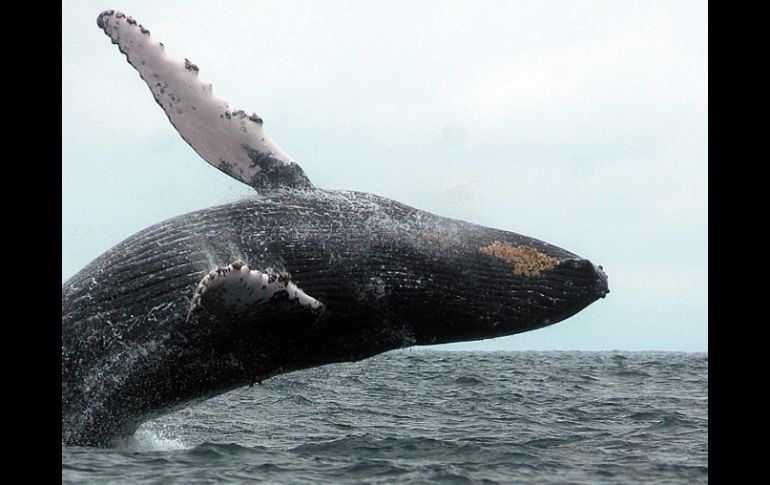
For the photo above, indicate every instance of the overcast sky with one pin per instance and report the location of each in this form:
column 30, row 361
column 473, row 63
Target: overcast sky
column 580, row 123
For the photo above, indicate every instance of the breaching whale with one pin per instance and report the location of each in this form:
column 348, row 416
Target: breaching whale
column 292, row 278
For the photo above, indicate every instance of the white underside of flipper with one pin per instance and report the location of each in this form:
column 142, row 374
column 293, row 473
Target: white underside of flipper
column 236, row 288
column 231, row 140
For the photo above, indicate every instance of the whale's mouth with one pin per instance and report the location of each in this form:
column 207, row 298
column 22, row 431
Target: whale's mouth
column 577, row 280
column 553, row 295
column 602, row 286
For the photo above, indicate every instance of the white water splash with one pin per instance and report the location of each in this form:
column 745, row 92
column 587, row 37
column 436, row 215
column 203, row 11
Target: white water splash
column 150, row 437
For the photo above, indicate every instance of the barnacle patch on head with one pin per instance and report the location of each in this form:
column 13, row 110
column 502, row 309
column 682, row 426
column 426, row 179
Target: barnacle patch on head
column 526, row 261
column 228, row 139
column 236, row 287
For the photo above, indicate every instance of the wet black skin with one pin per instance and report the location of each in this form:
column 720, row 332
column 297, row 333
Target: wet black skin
column 388, row 276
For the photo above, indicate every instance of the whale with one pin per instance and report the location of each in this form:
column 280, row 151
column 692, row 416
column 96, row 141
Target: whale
column 290, row 278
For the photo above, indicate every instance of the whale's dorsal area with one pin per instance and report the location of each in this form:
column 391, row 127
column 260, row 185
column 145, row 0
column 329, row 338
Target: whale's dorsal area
column 231, row 140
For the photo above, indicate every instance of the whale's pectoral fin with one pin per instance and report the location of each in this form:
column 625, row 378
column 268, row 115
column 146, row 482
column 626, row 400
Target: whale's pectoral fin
column 236, row 289
column 231, row 140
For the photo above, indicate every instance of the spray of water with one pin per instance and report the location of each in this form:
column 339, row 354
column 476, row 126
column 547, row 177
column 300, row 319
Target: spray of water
column 151, row 437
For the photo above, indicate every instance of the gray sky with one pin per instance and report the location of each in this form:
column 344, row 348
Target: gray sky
column 580, row 123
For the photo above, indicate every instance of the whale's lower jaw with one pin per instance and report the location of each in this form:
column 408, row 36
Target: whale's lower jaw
column 138, row 343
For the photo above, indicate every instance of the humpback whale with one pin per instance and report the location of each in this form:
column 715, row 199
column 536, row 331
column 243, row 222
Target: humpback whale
column 294, row 277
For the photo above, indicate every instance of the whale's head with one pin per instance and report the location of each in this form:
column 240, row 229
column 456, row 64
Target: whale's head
column 469, row 282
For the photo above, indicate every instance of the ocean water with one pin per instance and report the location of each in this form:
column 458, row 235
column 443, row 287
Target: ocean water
column 419, row 416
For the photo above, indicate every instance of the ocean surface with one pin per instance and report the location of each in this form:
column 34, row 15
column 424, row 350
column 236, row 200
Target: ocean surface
column 418, row 416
